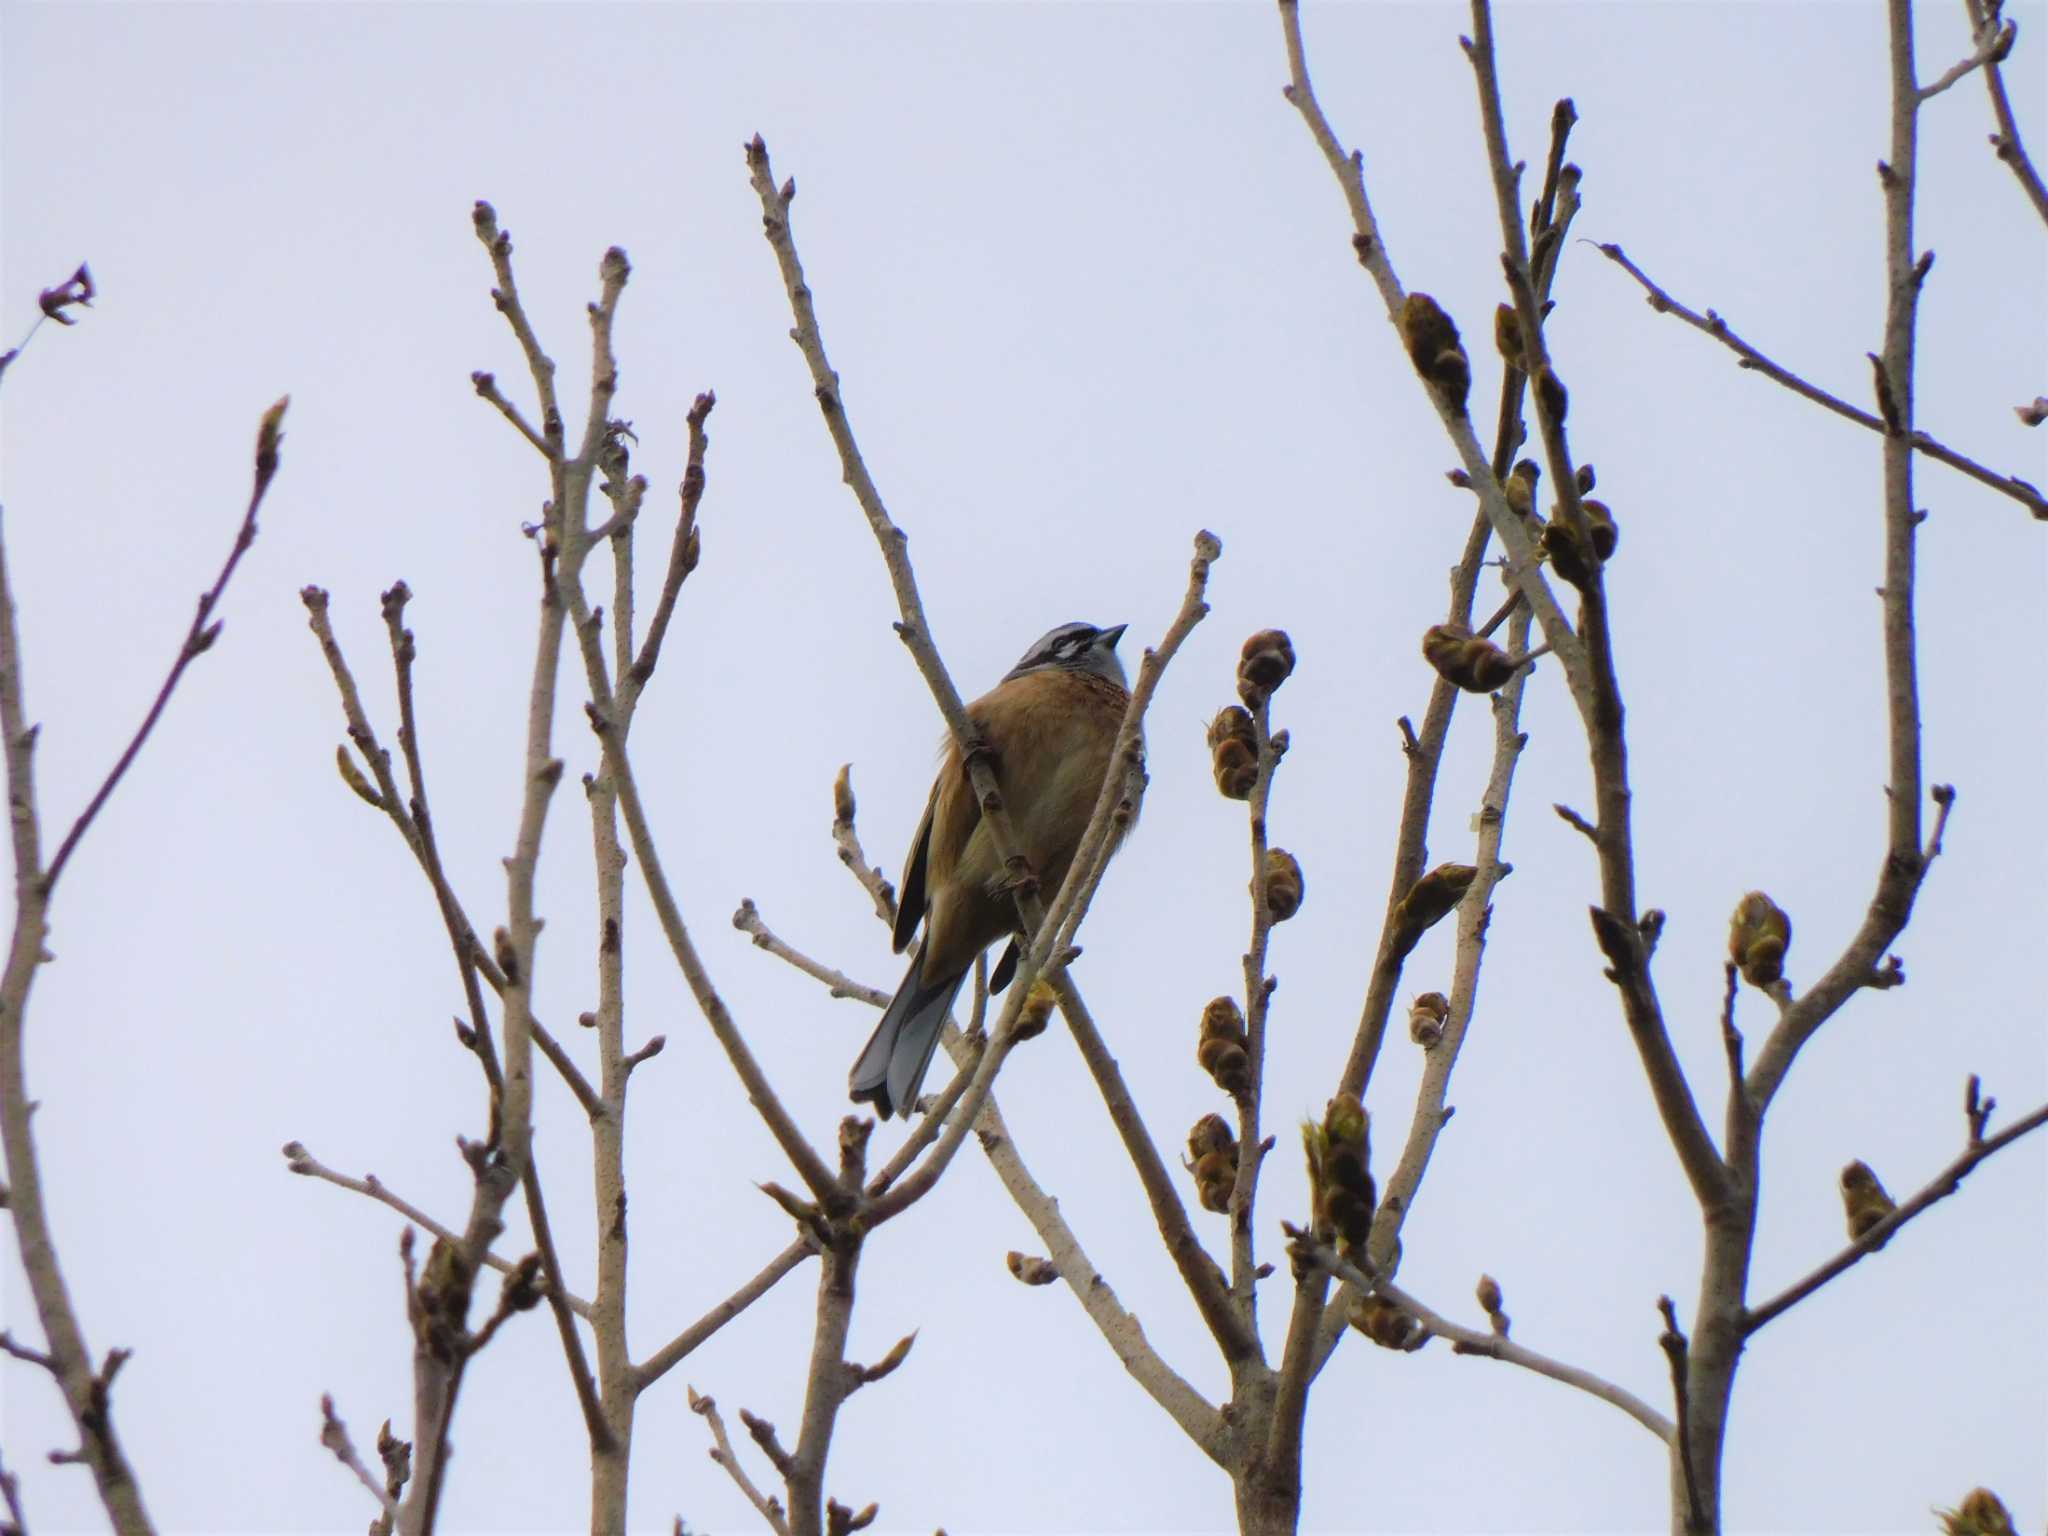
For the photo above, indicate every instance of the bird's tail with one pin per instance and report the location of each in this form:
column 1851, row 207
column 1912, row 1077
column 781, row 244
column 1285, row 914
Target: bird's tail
column 893, row 1063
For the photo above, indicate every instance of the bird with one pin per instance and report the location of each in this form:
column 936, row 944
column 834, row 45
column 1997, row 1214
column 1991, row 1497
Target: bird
column 1051, row 726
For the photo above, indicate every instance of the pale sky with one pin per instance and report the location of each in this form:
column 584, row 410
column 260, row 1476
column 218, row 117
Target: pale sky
column 1090, row 288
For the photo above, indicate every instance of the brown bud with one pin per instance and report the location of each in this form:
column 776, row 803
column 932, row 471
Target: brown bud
column 1758, row 935
column 1507, row 336
column 1489, row 1302
column 1386, row 1324
column 1031, row 1269
column 1264, row 664
column 1037, row 1010
column 1467, row 660
column 1222, row 1048
column 1520, row 487
column 1284, row 888
column 1339, row 1176
column 1426, row 1017
column 1585, row 478
column 1212, row 1151
column 1982, row 1513
column 1432, row 342
column 1864, row 1200
column 1550, row 394
column 1209, row 1134
column 1430, row 900
column 1600, row 521
column 1233, row 752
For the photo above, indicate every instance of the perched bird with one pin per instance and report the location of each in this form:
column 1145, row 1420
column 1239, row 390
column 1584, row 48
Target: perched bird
column 1051, row 725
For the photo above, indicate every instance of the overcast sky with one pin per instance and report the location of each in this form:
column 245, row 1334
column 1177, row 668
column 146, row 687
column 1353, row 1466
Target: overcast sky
column 1090, row 288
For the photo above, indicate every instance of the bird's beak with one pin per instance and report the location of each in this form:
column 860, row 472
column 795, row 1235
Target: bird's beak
column 1111, row 636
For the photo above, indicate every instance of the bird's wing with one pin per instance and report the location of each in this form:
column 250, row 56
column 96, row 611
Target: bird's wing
column 910, row 903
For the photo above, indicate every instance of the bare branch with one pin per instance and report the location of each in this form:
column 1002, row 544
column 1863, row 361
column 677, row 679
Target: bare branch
column 1673, row 1342
column 749, row 921
column 1120, row 1329
column 334, row 1436
column 1713, row 325
column 199, row 636
column 683, row 552
column 2007, row 140
column 722, row 1453
column 850, row 852
column 1944, row 1184
column 1595, row 686
column 1487, row 1345
column 1994, row 42
column 10, row 1495
column 300, row 1161
column 665, row 1359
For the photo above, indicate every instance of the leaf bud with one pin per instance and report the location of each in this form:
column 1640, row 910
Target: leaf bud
column 1223, row 1046
column 1432, row 341
column 1263, row 665
column 1234, row 752
column 1386, row 1324
column 1758, row 935
column 1284, row 887
column 1466, row 660
column 1426, row 1018
column 1429, row 901
column 1864, row 1200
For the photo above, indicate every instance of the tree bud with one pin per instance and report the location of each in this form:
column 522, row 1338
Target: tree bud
column 1758, row 935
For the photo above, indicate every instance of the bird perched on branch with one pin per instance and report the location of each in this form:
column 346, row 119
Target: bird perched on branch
column 1051, row 727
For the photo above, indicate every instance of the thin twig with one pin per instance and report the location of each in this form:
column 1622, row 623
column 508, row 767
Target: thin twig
column 2006, row 142
column 1994, row 42
column 1944, row 1184
column 1595, row 684
column 749, row 921
column 10, row 1494
column 1673, row 1342
column 723, row 1453
column 665, row 1359
column 852, row 855
column 300, row 1161
column 334, row 1435
column 1488, row 1345
column 1713, row 325
column 683, row 550
column 199, row 637
column 1120, row 1329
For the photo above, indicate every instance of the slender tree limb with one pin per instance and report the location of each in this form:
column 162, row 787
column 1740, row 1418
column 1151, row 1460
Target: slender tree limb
column 671, row 1354
column 10, row 1494
column 852, row 855
column 683, row 552
column 1595, row 685
column 86, row 1392
column 1489, row 1346
column 304, row 1163
column 618, row 767
column 556, row 1293
column 722, row 1452
column 749, row 921
column 2006, row 142
column 1715, row 326
column 1368, row 241
column 1475, row 912
column 334, row 1436
column 1120, row 1329
column 199, row 638
column 1258, row 1002
column 1944, row 1184
column 1676, row 1350
column 1993, row 42
column 1197, row 1269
